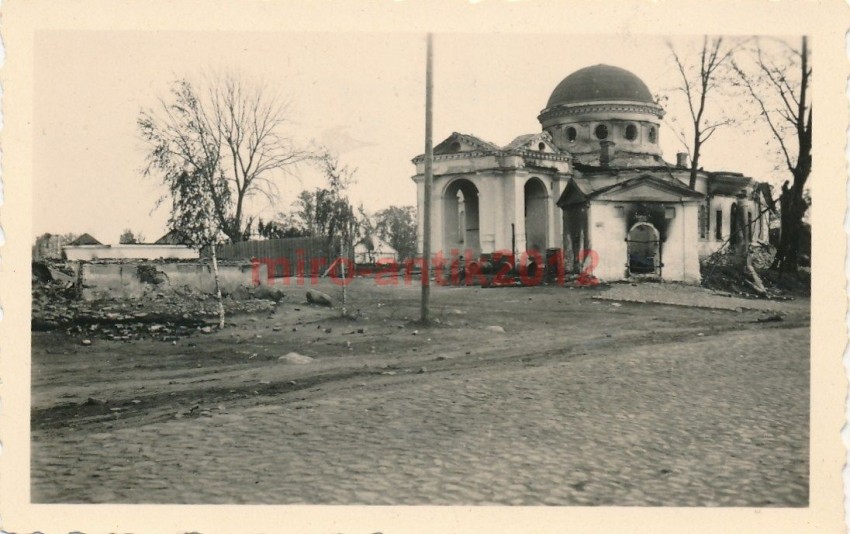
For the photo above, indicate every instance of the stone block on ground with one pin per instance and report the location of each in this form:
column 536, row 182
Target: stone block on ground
column 319, row 298
column 294, row 357
column 268, row 293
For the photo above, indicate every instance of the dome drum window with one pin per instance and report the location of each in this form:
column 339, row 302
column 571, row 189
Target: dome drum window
column 631, row 132
column 601, row 131
column 653, row 136
column 571, row 134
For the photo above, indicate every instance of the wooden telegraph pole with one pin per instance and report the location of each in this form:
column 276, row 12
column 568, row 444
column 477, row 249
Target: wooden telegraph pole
column 429, row 177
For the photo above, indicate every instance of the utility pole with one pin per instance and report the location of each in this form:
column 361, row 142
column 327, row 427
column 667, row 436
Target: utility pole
column 429, row 177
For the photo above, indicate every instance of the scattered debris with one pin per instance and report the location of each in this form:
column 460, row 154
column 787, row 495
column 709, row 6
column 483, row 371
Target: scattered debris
column 318, row 298
column 497, row 329
column 295, row 358
column 162, row 312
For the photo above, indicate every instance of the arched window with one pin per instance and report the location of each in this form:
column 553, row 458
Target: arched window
column 631, row 132
column 571, row 134
column 541, row 147
column 652, row 135
column 601, row 132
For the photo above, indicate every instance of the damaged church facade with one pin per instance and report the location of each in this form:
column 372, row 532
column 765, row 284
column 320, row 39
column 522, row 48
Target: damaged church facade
column 592, row 180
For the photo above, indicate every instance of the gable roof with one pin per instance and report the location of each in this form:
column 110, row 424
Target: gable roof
column 646, row 187
column 458, row 142
column 85, row 239
column 530, row 143
column 173, row 237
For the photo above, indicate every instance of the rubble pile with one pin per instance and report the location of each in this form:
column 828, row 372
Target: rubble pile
column 721, row 272
column 161, row 313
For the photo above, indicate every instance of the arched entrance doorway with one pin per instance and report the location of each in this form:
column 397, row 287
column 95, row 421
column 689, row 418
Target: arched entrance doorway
column 536, row 215
column 644, row 248
column 460, row 218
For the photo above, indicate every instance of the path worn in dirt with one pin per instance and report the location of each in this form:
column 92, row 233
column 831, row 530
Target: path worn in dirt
column 579, row 402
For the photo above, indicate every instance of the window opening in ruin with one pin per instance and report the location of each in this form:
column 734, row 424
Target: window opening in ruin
column 750, row 226
column 644, row 250
column 541, row 147
column 718, row 225
column 631, row 132
column 703, row 222
column 734, row 236
column 601, row 132
column 652, row 135
column 571, row 134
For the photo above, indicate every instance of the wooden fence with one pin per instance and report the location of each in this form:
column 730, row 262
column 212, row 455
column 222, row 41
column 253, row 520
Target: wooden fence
column 289, row 256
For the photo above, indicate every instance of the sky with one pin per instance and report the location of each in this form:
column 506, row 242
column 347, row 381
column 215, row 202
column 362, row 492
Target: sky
column 362, row 95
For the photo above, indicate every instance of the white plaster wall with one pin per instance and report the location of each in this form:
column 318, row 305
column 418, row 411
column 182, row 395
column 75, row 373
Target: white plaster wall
column 487, row 212
column 608, row 240
column 509, row 211
column 518, row 186
column 723, row 204
column 420, row 209
column 680, row 253
column 690, row 226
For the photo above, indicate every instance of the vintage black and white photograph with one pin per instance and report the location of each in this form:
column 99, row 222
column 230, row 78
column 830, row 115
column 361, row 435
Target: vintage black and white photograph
column 614, row 238
column 423, row 268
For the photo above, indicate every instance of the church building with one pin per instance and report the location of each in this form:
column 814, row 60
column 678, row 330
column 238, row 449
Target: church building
column 592, row 180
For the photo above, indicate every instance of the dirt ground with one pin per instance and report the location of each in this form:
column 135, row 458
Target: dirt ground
column 573, row 400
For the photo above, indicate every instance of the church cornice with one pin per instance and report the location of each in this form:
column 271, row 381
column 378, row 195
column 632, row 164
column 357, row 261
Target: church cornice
column 523, row 153
column 599, row 107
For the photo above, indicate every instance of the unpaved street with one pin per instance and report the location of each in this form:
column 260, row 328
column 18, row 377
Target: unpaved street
column 580, row 401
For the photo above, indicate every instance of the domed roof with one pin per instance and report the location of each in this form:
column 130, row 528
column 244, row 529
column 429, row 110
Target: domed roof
column 598, row 83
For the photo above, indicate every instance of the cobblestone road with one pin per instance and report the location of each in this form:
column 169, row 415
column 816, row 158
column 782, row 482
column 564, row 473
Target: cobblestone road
column 717, row 420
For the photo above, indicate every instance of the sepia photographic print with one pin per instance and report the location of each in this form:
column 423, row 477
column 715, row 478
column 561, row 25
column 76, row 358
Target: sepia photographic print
column 453, row 274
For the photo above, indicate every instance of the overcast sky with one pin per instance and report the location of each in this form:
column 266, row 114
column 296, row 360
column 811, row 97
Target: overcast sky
column 360, row 94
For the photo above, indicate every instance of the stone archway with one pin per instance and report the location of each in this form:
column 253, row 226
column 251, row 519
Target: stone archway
column 461, row 218
column 644, row 250
column 536, row 215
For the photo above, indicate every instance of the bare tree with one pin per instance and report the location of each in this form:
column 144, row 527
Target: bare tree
column 239, row 127
column 778, row 81
column 187, row 155
column 698, row 82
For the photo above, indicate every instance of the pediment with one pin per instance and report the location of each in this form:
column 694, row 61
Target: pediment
column 643, row 193
column 540, row 142
column 648, row 189
column 459, row 143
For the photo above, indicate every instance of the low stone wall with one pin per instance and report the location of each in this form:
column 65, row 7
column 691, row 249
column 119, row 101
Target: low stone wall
column 133, row 279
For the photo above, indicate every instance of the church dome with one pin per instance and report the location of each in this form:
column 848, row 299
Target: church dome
column 600, row 83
